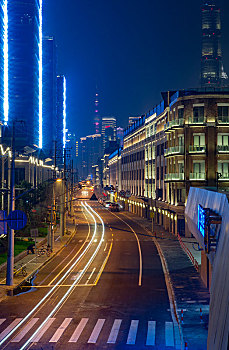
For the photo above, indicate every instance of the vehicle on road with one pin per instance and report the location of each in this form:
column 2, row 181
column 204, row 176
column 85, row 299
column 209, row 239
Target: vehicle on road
column 113, row 207
column 106, row 204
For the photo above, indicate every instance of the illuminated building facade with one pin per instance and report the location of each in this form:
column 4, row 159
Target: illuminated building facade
column 2, row 60
column 23, row 69
column 49, row 95
column 212, row 73
column 60, row 115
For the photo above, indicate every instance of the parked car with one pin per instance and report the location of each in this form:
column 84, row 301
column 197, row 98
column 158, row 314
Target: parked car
column 113, row 207
column 120, row 206
column 106, row 204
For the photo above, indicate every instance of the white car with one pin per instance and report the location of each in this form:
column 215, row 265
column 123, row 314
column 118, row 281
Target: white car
column 107, row 204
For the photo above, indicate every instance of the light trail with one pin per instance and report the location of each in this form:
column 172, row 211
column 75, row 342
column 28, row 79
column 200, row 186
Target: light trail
column 73, row 285
column 57, row 283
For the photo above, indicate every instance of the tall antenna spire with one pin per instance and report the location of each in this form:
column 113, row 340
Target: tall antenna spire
column 97, row 117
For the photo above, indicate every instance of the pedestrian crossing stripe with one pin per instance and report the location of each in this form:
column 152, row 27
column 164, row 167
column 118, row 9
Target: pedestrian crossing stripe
column 111, row 338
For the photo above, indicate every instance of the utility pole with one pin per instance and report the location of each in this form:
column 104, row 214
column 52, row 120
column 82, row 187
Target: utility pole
column 10, row 255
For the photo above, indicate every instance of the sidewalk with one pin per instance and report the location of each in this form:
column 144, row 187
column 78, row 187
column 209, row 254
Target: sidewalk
column 33, row 262
column 190, row 293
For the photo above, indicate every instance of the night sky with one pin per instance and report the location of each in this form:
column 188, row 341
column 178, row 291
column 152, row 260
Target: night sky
column 130, row 49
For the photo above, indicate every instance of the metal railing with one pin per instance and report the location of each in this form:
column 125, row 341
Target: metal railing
column 196, row 120
column 224, row 176
column 223, row 119
column 223, row 149
column 174, row 176
column 174, row 123
column 174, row 150
column 197, row 176
column 197, row 149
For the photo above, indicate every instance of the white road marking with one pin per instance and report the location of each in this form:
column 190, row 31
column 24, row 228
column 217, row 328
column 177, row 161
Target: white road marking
column 151, row 333
column 90, row 275
column 79, row 329
column 60, row 330
column 114, row 332
column 105, row 247
column 96, row 331
column 9, row 328
column 25, row 330
column 43, row 330
column 132, row 332
column 169, row 334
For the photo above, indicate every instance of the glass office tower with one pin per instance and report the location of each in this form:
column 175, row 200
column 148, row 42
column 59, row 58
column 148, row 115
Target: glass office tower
column 212, row 73
column 49, row 95
column 60, row 116
column 25, row 70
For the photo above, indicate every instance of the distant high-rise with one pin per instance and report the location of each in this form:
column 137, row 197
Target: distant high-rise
column 60, row 116
column 108, row 130
column 90, row 150
column 2, row 43
column 23, row 68
column 49, row 95
column 97, row 117
column 212, row 72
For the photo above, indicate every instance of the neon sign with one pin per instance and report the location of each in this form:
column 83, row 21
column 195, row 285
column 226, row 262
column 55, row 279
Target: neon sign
column 201, row 219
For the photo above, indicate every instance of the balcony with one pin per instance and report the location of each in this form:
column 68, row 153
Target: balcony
column 197, row 176
column 174, row 124
column 224, row 176
column 197, row 149
column 174, row 177
column 223, row 149
column 196, row 120
column 223, row 119
column 174, row 150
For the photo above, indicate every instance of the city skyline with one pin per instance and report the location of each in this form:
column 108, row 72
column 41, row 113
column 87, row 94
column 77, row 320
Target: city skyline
column 98, row 48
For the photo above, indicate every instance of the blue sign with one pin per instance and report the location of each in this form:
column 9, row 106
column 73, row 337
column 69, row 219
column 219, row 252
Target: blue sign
column 17, row 220
column 201, row 219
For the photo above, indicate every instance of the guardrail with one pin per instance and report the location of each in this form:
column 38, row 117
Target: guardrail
column 187, row 251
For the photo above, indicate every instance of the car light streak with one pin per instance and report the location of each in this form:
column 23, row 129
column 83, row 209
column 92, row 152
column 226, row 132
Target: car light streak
column 73, row 285
column 56, row 285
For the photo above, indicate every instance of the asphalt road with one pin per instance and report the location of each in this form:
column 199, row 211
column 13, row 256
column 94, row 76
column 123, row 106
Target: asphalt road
column 105, row 290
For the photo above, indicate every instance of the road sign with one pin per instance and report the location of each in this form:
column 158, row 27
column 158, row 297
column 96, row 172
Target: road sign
column 3, row 223
column 17, row 219
column 34, row 232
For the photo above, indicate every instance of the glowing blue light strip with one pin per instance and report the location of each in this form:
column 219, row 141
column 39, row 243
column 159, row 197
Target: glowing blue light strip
column 40, row 77
column 64, row 112
column 6, row 57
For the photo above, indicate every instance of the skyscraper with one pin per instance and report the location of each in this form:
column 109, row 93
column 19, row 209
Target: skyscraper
column 23, row 71
column 2, row 42
column 49, row 95
column 212, row 73
column 108, row 130
column 60, row 115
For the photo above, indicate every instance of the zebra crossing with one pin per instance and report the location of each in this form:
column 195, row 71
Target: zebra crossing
column 76, row 333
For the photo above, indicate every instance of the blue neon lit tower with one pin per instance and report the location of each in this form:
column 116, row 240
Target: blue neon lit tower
column 49, row 95
column 2, row 60
column 60, row 115
column 24, row 44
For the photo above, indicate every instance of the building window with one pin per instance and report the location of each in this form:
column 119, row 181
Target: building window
column 198, row 112
column 223, row 140
column 223, row 169
column 198, row 167
column 223, row 111
column 180, row 113
column 199, row 140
